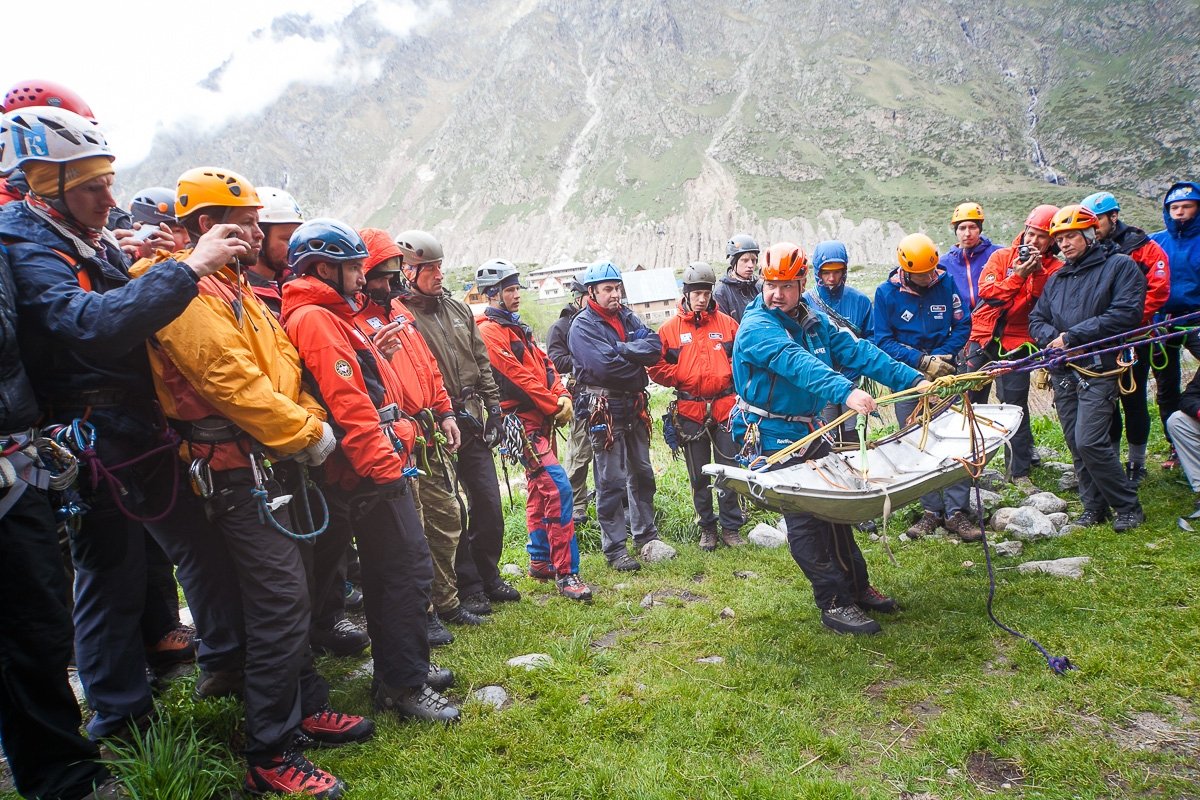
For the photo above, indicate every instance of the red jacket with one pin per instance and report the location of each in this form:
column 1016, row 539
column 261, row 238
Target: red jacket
column 353, row 379
column 413, row 362
column 1006, row 299
column 1153, row 261
column 529, row 384
column 697, row 361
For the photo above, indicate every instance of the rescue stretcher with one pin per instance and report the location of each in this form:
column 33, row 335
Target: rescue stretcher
column 838, row 488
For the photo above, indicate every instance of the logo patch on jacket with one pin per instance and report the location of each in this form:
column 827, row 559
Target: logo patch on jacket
column 685, row 338
column 342, row 367
column 375, row 322
column 938, row 309
column 907, row 316
column 715, row 335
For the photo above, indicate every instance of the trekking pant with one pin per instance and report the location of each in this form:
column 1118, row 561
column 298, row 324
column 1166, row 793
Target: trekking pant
column 1085, row 409
column 437, row 502
column 396, row 575
column 477, row 562
column 826, row 552
column 160, row 615
column 548, row 509
column 281, row 685
column 576, row 463
column 1185, row 433
column 846, row 432
column 715, row 444
column 39, row 716
column 1167, row 373
column 943, row 502
column 1136, row 411
column 1013, row 388
column 624, row 471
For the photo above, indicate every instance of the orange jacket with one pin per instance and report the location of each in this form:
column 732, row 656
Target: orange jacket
column 529, row 384
column 354, row 381
column 413, row 362
column 697, row 361
column 208, row 364
column 1006, row 299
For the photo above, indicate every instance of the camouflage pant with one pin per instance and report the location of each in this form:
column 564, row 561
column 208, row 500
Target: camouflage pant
column 576, row 463
column 440, row 516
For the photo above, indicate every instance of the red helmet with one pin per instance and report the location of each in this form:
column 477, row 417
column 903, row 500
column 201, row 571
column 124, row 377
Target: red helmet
column 24, row 94
column 1041, row 217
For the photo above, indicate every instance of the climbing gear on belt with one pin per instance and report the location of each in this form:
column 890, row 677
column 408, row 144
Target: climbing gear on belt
column 262, row 471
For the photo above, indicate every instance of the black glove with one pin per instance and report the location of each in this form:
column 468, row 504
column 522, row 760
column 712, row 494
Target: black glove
column 492, row 429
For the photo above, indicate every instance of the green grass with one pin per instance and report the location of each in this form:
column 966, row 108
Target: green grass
column 942, row 705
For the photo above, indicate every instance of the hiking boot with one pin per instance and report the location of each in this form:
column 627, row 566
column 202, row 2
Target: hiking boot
column 218, row 683
column 108, row 789
column 1090, row 518
column 439, row 678
column 343, row 639
column 292, row 773
column 477, row 603
column 849, row 619
column 354, row 598
column 501, row 592
column 1172, row 460
column 421, row 703
column 732, row 538
column 580, row 519
column 625, row 563
column 870, row 526
column 1128, row 520
column 542, row 571
column 439, row 635
column 1025, row 485
column 570, row 587
column 708, row 539
column 177, row 646
column 328, row 728
column 927, row 524
column 961, row 525
column 461, row 616
column 1136, row 473
column 875, row 600
column 1035, row 460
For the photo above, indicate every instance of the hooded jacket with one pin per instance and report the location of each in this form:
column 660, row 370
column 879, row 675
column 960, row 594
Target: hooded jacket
column 734, row 295
column 1098, row 296
column 268, row 291
column 529, row 385
column 1147, row 254
column 354, row 381
column 911, row 322
column 1006, row 298
column 424, row 387
column 1181, row 242
column 697, row 353
column 74, row 340
column 965, row 267
column 448, row 327
column 847, row 308
column 207, row 363
column 790, row 367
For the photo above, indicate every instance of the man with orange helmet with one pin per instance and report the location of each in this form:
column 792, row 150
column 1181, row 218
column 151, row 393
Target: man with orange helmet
column 697, row 351
column 785, row 361
column 922, row 320
column 1011, row 283
column 1098, row 293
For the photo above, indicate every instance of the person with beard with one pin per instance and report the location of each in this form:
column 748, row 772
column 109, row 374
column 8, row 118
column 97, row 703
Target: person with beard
column 279, row 218
column 786, row 359
column 1098, row 293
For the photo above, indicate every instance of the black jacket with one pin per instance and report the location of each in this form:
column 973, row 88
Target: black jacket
column 733, row 296
column 18, row 407
column 1189, row 401
column 1100, row 295
column 556, row 341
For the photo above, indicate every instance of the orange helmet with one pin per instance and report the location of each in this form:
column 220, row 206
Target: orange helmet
column 785, row 261
column 1072, row 218
column 1041, row 217
column 206, row 187
column 967, row 212
column 917, row 253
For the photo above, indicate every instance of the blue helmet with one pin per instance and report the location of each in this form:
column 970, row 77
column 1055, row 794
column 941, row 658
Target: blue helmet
column 1100, row 203
column 601, row 272
column 829, row 252
column 325, row 240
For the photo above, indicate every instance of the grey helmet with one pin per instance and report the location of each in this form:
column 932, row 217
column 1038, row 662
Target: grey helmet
column 497, row 274
column 419, row 248
column 698, row 274
column 577, row 286
column 738, row 245
column 154, row 205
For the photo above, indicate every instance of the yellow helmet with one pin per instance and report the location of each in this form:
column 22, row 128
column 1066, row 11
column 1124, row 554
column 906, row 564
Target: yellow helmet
column 917, row 253
column 213, row 187
column 967, row 211
column 1072, row 218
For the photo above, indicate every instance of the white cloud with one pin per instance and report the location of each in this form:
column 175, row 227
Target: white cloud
column 149, row 67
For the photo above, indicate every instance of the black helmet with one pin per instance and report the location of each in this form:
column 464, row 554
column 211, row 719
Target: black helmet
column 738, row 245
column 153, row 206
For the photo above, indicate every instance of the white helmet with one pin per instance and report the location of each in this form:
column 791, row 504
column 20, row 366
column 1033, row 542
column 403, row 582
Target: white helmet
column 44, row 133
column 277, row 206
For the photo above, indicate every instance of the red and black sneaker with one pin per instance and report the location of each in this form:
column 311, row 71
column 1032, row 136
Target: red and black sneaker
column 292, row 773
column 875, row 600
column 542, row 570
column 328, row 728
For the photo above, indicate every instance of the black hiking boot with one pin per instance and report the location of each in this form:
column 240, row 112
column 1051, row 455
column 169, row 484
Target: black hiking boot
column 849, row 619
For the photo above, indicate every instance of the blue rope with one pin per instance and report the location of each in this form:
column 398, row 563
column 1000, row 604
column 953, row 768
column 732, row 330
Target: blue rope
column 267, row 518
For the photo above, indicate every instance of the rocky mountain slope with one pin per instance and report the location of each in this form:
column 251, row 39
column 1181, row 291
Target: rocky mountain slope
column 539, row 130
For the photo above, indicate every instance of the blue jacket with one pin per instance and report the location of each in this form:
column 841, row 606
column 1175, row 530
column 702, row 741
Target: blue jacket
column 74, row 340
column 847, row 308
column 790, row 368
column 912, row 322
column 602, row 358
column 1181, row 242
column 18, row 407
column 965, row 267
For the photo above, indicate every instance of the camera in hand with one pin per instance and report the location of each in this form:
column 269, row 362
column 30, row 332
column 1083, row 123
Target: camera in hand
column 1024, row 252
